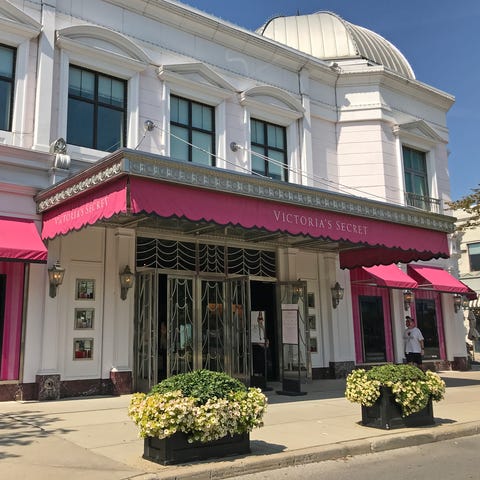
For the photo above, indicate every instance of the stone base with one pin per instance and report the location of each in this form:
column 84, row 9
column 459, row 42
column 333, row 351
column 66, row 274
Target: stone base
column 122, row 383
column 341, row 369
column 48, row 387
column 461, row 364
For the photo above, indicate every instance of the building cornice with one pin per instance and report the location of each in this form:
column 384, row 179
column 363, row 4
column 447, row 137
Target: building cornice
column 131, row 162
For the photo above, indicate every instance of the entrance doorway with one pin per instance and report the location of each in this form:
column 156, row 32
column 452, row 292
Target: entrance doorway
column 372, row 328
column 425, row 312
column 188, row 322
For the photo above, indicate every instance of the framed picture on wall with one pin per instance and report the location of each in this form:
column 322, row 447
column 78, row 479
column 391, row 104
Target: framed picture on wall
column 84, row 318
column 312, row 322
column 85, row 289
column 82, row 348
column 311, row 300
column 313, row 345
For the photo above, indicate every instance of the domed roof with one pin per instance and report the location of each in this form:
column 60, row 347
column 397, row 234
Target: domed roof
column 327, row 36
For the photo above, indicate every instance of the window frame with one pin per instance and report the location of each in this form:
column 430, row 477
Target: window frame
column 120, row 58
column 477, row 261
column 411, row 172
column 191, row 129
column 97, row 104
column 267, row 148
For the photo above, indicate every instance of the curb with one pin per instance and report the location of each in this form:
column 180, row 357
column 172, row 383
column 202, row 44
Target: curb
column 262, row 462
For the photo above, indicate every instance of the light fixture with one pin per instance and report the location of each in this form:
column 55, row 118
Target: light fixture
column 55, row 278
column 465, row 303
column 457, row 302
column 337, row 294
column 148, row 125
column 59, row 146
column 407, row 299
column 126, row 281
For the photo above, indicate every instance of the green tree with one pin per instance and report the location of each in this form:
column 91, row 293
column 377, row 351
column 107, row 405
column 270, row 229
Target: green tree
column 470, row 204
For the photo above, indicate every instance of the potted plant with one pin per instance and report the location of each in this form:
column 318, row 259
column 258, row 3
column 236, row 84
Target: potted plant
column 395, row 395
column 197, row 415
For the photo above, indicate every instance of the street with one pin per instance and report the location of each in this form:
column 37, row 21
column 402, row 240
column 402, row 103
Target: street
column 450, row 459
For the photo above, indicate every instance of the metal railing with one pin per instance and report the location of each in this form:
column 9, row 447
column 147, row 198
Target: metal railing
column 424, row 203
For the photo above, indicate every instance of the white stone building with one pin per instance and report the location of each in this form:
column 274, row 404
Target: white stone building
column 233, row 172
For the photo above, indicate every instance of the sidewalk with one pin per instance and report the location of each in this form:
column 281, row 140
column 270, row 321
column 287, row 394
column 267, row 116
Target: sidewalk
column 93, row 438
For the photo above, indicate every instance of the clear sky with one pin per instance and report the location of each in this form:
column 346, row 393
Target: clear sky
column 439, row 38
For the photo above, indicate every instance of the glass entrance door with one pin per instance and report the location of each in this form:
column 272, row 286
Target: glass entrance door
column 426, row 314
column 373, row 328
column 200, row 323
column 145, row 332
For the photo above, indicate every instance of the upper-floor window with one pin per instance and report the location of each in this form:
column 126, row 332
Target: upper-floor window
column 269, row 140
column 474, row 256
column 192, row 131
column 97, row 110
column 416, row 180
column 7, row 80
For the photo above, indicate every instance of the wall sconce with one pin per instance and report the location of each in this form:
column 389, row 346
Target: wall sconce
column 457, row 302
column 126, row 282
column 407, row 299
column 465, row 303
column 337, row 294
column 55, row 278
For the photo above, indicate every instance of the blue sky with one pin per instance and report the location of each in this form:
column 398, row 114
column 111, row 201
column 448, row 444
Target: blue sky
column 439, row 38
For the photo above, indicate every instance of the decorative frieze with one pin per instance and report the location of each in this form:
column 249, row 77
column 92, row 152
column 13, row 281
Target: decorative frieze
column 161, row 168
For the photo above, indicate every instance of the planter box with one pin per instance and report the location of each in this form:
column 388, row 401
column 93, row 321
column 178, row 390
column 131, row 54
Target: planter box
column 176, row 449
column 387, row 413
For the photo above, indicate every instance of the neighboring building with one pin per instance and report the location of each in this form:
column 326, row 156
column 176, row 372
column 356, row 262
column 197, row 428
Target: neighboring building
column 246, row 181
column 468, row 253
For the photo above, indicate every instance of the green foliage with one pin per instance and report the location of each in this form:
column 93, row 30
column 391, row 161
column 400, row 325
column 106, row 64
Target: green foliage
column 202, row 385
column 390, row 373
column 470, row 204
column 411, row 386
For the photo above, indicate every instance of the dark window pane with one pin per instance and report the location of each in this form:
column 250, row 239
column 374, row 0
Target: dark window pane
column 111, row 91
column 202, row 117
column 203, row 142
column 178, row 143
column 6, row 62
column 7, row 79
column 276, row 168
column 474, row 256
column 258, row 163
column 179, row 110
column 5, row 103
column 80, row 123
column 109, row 129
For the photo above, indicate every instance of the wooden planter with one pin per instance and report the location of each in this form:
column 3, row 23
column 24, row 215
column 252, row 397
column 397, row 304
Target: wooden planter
column 387, row 413
column 176, row 449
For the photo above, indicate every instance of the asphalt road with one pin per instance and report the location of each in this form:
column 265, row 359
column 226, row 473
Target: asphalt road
column 457, row 459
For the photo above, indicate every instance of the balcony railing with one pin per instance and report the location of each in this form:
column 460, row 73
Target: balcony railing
column 424, row 203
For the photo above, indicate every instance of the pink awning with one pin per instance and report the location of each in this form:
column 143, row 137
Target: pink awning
column 383, row 276
column 375, row 242
column 20, row 240
column 384, row 243
column 437, row 279
column 87, row 209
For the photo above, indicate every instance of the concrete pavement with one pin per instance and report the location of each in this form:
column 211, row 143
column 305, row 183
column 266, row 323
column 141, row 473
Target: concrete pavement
column 93, row 438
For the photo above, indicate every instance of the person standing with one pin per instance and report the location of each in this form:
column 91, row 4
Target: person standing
column 414, row 342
